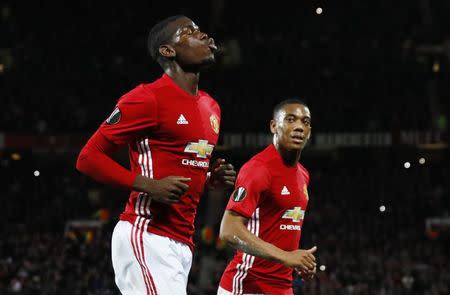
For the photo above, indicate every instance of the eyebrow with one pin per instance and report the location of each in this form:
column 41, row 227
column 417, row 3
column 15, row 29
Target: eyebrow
column 294, row 115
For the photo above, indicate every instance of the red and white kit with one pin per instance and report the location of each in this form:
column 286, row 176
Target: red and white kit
column 168, row 132
column 274, row 198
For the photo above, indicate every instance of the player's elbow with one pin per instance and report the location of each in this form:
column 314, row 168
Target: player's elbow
column 81, row 164
column 229, row 238
column 225, row 233
column 228, row 228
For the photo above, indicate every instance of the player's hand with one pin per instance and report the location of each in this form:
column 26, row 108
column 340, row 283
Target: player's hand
column 167, row 190
column 307, row 275
column 222, row 175
column 301, row 260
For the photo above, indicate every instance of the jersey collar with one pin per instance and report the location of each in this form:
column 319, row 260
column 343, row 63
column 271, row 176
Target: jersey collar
column 167, row 79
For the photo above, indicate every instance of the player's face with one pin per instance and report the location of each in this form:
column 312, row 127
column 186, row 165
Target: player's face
column 193, row 47
column 292, row 126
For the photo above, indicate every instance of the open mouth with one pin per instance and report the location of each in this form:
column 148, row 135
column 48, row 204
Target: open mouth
column 298, row 139
column 212, row 45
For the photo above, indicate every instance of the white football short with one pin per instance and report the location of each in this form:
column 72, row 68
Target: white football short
column 148, row 264
column 222, row 291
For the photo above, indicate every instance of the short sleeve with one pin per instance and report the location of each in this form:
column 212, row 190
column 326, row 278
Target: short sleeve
column 253, row 180
column 134, row 115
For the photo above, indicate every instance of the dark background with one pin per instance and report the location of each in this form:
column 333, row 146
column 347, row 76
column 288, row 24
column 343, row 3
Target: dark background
column 364, row 68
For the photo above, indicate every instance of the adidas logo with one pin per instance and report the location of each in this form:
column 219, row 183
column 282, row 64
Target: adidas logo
column 182, row 120
column 285, row 191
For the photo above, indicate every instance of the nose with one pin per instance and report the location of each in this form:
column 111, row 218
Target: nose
column 299, row 127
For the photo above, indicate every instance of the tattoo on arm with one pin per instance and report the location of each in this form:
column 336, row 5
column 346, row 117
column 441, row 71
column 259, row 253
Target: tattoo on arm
column 243, row 246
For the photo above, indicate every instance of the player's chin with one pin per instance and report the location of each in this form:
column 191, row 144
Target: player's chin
column 296, row 146
column 210, row 58
column 208, row 62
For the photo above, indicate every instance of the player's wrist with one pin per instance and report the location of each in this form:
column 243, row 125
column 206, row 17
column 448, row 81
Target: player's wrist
column 284, row 261
column 142, row 184
column 208, row 182
column 279, row 255
column 212, row 183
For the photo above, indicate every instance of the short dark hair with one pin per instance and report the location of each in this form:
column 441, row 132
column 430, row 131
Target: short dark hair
column 158, row 35
column 281, row 104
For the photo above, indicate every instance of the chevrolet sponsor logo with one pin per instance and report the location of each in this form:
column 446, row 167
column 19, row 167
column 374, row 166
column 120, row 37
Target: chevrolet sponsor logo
column 195, row 163
column 201, row 148
column 290, row 227
column 296, row 214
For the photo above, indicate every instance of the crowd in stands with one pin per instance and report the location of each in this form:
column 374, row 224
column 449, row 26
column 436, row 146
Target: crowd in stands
column 360, row 67
column 358, row 61
column 364, row 250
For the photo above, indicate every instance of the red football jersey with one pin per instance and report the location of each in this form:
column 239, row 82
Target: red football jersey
column 168, row 132
column 274, row 197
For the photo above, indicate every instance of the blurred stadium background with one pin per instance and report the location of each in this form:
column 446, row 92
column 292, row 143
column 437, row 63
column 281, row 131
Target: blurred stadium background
column 375, row 75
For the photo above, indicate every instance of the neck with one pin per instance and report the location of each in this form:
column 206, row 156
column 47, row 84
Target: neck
column 188, row 81
column 290, row 158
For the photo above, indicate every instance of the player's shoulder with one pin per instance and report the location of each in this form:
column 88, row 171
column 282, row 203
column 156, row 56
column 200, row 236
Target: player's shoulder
column 303, row 171
column 157, row 85
column 258, row 164
column 152, row 90
column 206, row 97
column 139, row 94
column 267, row 157
column 255, row 172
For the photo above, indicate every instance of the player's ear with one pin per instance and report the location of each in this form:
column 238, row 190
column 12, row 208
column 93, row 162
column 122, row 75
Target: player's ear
column 167, row 51
column 273, row 126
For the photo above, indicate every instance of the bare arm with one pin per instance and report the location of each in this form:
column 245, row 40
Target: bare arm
column 234, row 231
